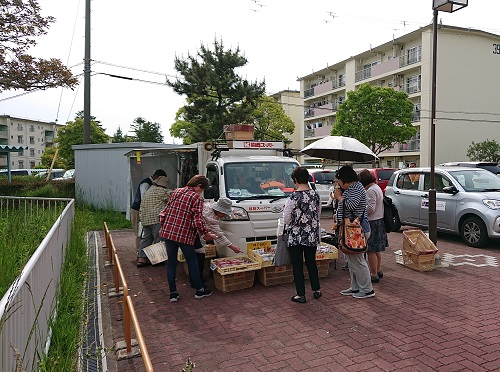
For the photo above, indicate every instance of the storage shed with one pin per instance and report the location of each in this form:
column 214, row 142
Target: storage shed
column 104, row 176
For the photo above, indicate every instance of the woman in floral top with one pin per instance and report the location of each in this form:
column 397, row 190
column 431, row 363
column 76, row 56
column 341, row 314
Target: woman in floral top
column 301, row 215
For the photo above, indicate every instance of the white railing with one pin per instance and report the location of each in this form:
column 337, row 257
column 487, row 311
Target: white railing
column 28, row 306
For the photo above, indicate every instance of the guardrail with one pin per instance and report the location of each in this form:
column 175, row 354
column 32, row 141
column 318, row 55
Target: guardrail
column 129, row 314
column 28, row 306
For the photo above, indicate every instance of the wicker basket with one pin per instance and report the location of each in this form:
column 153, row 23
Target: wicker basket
column 156, row 253
column 418, row 250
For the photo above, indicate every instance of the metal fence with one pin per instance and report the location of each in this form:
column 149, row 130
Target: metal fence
column 28, row 306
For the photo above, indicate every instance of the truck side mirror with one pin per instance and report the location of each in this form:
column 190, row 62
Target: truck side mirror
column 210, row 193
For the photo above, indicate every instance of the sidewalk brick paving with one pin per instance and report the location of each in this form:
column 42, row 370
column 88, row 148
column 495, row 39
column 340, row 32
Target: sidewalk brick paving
column 443, row 320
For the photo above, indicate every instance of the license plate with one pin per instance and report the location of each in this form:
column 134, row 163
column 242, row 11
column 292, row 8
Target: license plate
column 266, row 244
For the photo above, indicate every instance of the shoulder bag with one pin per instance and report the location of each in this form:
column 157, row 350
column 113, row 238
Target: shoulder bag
column 282, row 256
column 351, row 234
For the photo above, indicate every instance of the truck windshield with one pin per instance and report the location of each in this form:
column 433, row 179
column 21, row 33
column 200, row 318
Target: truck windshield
column 258, row 180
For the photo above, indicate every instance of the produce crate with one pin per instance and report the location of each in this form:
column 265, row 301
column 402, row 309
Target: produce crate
column 230, row 265
column 323, row 268
column 418, row 250
column 234, row 281
column 265, row 259
column 272, row 275
column 210, row 252
column 326, row 252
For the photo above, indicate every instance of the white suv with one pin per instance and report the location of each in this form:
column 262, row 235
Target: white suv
column 323, row 181
column 467, row 201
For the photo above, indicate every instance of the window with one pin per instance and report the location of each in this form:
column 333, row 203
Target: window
column 21, row 164
column 32, row 139
column 21, row 153
column 414, row 54
column 19, row 139
column 32, row 152
column 341, row 80
column 32, row 164
column 408, row 181
column 413, row 84
column 32, row 128
column 440, row 182
column 19, row 127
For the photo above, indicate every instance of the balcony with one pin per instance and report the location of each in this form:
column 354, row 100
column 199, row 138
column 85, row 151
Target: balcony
column 415, row 117
column 410, row 145
column 363, row 74
column 410, row 60
column 317, row 110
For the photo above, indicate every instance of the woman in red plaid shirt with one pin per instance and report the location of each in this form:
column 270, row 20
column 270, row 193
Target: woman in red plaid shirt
column 181, row 220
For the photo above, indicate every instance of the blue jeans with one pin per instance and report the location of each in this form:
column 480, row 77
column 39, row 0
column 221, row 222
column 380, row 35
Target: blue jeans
column 192, row 262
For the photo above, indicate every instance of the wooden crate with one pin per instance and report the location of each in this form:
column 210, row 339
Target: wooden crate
column 210, row 252
column 323, row 268
column 235, row 281
column 272, row 275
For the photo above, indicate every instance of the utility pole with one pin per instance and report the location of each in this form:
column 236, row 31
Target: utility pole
column 86, row 77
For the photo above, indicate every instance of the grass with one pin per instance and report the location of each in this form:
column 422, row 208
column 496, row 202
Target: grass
column 65, row 341
column 20, row 236
column 17, row 246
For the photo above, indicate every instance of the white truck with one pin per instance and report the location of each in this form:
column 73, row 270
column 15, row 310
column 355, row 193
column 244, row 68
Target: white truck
column 255, row 175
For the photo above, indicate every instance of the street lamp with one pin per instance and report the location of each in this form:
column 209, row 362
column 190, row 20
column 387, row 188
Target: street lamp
column 449, row 6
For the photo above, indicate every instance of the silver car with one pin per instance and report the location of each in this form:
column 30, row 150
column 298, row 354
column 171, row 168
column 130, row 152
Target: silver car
column 467, row 201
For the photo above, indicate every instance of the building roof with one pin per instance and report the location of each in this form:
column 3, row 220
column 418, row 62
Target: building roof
column 399, row 40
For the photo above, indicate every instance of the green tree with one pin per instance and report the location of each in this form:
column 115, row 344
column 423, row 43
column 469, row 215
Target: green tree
column 21, row 22
column 488, row 150
column 183, row 129
column 72, row 134
column 378, row 117
column 118, row 136
column 271, row 122
column 146, row 131
column 215, row 94
column 48, row 155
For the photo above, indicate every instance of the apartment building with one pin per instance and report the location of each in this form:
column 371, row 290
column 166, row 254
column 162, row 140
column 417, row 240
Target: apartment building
column 467, row 98
column 33, row 134
column 291, row 102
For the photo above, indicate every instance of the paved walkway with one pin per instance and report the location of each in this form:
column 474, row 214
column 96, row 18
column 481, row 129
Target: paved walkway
column 444, row 320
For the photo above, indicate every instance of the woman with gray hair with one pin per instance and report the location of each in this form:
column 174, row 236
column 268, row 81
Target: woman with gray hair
column 212, row 213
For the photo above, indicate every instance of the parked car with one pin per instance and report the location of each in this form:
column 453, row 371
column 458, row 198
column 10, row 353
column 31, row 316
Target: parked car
column 382, row 175
column 467, row 201
column 491, row 166
column 56, row 173
column 69, row 174
column 323, row 181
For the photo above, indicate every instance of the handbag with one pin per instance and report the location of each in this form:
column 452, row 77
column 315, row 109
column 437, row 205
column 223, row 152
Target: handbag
column 282, row 256
column 351, row 235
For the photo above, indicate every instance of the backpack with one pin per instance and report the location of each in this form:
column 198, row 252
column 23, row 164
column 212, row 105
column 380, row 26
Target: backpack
column 390, row 212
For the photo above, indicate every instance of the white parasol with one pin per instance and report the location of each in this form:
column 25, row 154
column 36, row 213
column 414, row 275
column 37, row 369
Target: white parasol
column 340, row 148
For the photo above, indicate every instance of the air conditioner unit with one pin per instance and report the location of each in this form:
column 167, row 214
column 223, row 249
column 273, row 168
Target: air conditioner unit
column 390, row 84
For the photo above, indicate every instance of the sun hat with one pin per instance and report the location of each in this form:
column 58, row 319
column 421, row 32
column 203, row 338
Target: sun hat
column 223, row 205
column 161, row 181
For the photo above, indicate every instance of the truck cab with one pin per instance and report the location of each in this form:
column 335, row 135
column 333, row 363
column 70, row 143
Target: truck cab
column 257, row 180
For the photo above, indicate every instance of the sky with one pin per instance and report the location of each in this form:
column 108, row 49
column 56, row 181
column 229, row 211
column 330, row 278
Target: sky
column 281, row 39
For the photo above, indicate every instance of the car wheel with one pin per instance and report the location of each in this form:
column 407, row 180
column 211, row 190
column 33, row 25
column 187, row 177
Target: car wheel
column 397, row 222
column 474, row 232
